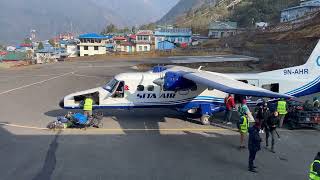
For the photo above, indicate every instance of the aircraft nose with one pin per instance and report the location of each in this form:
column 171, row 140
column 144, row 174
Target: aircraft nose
column 61, row 103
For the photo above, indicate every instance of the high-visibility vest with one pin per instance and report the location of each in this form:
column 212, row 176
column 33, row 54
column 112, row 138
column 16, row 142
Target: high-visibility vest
column 282, row 107
column 312, row 174
column 245, row 125
column 88, row 102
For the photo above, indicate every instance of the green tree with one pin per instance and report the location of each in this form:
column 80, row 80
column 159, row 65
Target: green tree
column 133, row 29
column 40, row 46
column 52, row 43
column 27, row 41
column 111, row 28
column 150, row 26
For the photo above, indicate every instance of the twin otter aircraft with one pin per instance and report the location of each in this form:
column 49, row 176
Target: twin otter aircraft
column 197, row 91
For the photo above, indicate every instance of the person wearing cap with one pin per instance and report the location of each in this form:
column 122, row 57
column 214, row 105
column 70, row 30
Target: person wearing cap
column 314, row 173
column 254, row 145
column 282, row 110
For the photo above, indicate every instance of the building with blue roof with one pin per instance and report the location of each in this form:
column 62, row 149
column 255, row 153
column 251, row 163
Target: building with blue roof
column 93, row 44
column 168, row 38
column 297, row 12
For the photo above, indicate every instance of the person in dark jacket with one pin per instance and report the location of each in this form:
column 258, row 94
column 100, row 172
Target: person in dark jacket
column 271, row 125
column 263, row 113
column 254, row 145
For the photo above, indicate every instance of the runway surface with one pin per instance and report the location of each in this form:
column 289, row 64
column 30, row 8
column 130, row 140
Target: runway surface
column 136, row 144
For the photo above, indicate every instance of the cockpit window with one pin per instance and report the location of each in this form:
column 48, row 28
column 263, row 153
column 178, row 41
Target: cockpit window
column 111, row 85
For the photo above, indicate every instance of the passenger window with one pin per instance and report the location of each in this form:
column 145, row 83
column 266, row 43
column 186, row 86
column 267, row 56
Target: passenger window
column 140, row 88
column 150, row 88
column 210, row 89
column 272, row 87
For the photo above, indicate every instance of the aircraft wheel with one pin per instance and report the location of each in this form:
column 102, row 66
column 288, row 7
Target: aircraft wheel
column 205, row 120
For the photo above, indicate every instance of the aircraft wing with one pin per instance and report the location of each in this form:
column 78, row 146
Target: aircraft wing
column 226, row 84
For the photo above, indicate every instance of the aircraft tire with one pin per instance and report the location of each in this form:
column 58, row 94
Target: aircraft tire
column 205, row 120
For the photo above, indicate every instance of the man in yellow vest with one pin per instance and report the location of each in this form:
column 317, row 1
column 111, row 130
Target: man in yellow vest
column 87, row 107
column 314, row 173
column 243, row 126
column 282, row 110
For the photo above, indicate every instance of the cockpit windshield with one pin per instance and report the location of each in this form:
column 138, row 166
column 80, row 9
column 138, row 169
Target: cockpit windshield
column 111, row 85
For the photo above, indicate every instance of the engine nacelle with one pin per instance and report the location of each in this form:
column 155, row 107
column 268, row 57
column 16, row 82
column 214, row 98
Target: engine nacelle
column 174, row 81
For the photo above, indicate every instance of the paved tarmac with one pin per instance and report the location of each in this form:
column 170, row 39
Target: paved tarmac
column 137, row 144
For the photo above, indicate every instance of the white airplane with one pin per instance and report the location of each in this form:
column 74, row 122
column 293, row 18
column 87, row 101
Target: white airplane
column 197, row 91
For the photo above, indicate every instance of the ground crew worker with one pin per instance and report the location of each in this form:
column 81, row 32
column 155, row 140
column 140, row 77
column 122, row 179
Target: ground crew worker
column 229, row 102
column 87, row 107
column 271, row 125
column 282, row 110
column 314, row 173
column 316, row 102
column 243, row 126
column 254, row 145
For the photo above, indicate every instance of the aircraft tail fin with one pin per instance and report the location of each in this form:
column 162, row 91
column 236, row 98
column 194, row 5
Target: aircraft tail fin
column 313, row 63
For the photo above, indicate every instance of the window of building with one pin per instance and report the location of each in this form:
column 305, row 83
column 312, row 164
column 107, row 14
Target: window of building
column 140, row 88
column 145, row 48
column 180, row 39
column 140, row 48
column 85, row 47
column 96, row 48
column 86, row 55
column 150, row 88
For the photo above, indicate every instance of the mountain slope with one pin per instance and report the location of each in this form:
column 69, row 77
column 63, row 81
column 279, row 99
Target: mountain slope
column 18, row 17
column 182, row 7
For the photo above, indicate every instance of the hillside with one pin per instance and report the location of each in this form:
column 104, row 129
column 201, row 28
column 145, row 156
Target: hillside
column 182, row 7
column 242, row 11
column 18, row 17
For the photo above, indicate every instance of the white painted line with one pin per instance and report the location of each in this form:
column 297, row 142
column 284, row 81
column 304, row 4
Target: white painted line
column 39, row 82
column 82, row 75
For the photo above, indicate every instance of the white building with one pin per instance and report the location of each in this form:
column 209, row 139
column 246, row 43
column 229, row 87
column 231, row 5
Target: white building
column 92, row 44
column 72, row 50
column 297, row 12
column 219, row 29
column 144, row 40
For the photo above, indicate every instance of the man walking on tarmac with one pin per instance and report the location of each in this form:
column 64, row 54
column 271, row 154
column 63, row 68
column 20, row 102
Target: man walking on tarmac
column 254, row 145
column 270, row 128
column 87, row 107
column 282, row 110
column 314, row 173
column 229, row 102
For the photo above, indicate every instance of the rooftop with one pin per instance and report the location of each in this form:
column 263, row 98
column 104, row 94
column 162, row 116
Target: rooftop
column 173, row 32
column 223, row 25
column 144, row 32
column 307, row 4
column 93, row 36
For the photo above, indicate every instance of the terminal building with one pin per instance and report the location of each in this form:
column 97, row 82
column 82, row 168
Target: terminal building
column 92, row 44
column 305, row 8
